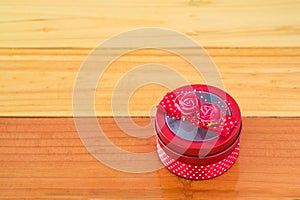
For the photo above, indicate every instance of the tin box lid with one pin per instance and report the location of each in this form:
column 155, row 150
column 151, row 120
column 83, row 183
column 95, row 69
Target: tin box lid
column 198, row 120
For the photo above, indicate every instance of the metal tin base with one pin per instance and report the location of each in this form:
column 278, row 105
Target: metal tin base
column 198, row 172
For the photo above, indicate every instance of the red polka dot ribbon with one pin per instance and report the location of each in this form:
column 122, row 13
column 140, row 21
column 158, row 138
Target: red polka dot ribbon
column 188, row 106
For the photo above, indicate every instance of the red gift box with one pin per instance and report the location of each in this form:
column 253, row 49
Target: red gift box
column 198, row 131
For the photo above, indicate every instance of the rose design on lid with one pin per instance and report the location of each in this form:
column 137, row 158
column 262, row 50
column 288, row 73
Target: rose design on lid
column 187, row 103
column 188, row 106
column 210, row 113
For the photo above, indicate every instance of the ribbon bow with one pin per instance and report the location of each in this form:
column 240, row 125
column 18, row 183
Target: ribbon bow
column 188, row 106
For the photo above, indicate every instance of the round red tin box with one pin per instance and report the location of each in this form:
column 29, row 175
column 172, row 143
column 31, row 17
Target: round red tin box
column 198, row 131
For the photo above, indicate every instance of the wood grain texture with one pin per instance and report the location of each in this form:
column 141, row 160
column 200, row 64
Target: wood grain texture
column 43, row 44
column 43, row 158
column 40, row 82
column 255, row 44
column 215, row 23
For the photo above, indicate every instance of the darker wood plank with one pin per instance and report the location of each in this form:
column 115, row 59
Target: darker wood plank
column 43, row 158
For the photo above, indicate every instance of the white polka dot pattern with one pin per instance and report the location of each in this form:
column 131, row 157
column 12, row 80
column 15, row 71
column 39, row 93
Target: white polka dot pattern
column 195, row 172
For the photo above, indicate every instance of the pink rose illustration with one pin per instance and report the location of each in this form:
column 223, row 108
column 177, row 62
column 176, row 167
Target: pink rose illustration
column 187, row 103
column 210, row 113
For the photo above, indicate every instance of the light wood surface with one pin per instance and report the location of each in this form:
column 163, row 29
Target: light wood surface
column 43, row 158
column 40, row 82
column 217, row 23
column 43, row 44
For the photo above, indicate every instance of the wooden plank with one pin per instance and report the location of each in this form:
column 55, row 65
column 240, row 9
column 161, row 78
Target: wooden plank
column 210, row 22
column 43, row 158
column 40, row 82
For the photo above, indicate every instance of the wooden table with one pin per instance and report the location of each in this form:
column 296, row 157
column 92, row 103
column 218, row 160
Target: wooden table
column 255, row 44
